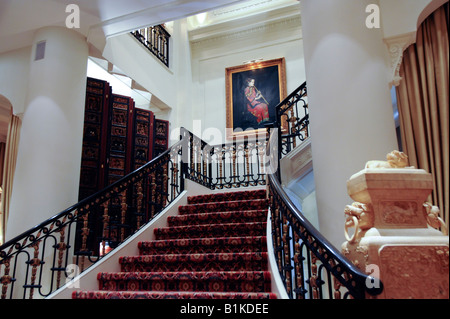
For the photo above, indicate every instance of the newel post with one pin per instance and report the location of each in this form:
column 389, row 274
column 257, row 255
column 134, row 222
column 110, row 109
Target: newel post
column 393, row 233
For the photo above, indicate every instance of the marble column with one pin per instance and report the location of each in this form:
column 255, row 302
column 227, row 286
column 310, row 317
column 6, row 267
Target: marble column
column 49, row 154
column 351, row 116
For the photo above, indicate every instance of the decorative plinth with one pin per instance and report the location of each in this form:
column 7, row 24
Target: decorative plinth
column 396, row 195
column 396, row 236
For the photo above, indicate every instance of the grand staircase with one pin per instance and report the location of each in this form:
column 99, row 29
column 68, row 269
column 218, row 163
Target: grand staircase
column 215, row 248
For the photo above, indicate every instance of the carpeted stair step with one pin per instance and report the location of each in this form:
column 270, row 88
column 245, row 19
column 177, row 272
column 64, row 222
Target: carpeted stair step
column 218, row 217
column 211, row 281
column 215, row 248
column 170, row 295
column 253, row 204
column 203, row 245
column 225, row 197
column 212, row 230
column 248, row 261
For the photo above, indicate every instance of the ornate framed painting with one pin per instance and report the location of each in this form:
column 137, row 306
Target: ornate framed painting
column 252, row 92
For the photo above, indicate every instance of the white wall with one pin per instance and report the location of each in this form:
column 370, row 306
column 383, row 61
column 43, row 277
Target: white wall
column 171, row 87
column 212, row 55
column 137, row 62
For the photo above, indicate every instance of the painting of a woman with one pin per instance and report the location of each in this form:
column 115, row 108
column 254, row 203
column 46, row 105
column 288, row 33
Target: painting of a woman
column 253, row 91
column 256, row 104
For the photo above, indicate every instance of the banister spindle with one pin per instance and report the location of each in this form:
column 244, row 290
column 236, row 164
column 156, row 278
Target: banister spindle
column 6, row 279
column 123, row 213
column 106, row 233
column 35, row 262
column 62, row 248
column 84, row 235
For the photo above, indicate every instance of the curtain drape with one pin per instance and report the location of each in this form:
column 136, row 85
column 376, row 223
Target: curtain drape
column 9, row 166
column 423, row 102
column 2, row 158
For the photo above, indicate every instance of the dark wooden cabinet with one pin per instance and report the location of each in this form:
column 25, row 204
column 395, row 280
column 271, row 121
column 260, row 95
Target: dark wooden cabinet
column 119, row 148
column 143, row 137
column 95, row 137
column 161, row 139
column 118, row 138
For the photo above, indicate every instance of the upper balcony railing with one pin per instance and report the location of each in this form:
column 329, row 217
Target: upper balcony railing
column 292, row 120
column 156, row 39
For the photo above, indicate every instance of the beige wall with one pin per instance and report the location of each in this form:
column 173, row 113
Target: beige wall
column 403, row 16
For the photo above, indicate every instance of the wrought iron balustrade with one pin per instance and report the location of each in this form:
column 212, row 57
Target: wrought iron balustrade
column 197, row 160
column 156, row 39
column 44, row 258
column 241, row 163
column 293, row 120
column 309, row 265
column 47, row 256
column 39, row 261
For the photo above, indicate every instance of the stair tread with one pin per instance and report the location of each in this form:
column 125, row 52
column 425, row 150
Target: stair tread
column 186, row 275
column 193, row 257
column 196, row 262
column 211, row 225
column 202, row 240
column 203, row 245
column 100, row 294
column 230, row 216
column 211, row 230
column 224, row 206
column 208, row 226
column 250, row 281
column 261, row 193
column 215, row 248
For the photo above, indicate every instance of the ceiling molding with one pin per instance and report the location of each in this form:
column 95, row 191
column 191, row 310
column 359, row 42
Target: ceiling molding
column 278, row 21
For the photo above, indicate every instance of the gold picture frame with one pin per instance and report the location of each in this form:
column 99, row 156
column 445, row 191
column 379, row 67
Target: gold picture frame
column 251, row 105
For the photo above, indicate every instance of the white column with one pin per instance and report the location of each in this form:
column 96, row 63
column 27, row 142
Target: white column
column 48, row 161
column 349, row 101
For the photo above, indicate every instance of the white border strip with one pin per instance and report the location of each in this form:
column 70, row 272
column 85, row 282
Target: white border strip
column 277, row 284
column 110, row 263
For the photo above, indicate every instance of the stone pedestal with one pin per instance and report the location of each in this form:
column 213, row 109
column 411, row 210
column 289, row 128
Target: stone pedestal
column 392, row 238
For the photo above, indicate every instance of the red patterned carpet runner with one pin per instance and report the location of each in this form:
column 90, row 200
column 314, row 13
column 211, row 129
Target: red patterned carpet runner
column 214, row 249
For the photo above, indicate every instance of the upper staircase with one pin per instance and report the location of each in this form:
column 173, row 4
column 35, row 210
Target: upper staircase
column 216, row 248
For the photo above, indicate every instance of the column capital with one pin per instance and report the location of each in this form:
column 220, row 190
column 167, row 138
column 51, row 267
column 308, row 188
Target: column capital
column 396, row 46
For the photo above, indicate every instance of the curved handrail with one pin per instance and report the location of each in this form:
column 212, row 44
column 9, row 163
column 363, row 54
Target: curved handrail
column 293, row 233
column 41, row 257
column 348, row 275
column 287, row 99
column 111, row 215
column 292, row 120
column 87, row 200
column 298, row 245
